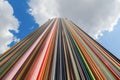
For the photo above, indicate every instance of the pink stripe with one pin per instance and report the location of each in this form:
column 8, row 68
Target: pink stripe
column 41, row 56
column 20, row 62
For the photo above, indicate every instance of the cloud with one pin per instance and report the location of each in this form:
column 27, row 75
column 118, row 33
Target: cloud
column 42, row 10
column 7, row 22
column 93, row 16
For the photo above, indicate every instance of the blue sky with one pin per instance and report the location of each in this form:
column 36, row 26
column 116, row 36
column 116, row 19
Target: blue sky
column 27, row 23
column 92, row 17
column 111, row 40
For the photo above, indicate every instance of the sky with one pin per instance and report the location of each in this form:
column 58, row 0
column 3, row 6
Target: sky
column 99, row 18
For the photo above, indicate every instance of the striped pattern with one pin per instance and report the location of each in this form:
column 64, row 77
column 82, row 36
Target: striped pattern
column 59, row 50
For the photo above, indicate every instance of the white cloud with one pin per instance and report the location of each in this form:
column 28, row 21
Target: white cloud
column 43, row 9
column 7, row 22
column 93, row 16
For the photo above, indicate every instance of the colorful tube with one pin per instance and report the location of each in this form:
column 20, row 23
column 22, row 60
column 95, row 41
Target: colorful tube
column 59, row 50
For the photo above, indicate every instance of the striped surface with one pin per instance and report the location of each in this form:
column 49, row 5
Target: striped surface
column 59, row 50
